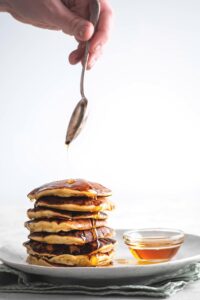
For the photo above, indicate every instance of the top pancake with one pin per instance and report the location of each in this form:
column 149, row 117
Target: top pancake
column 70, row 188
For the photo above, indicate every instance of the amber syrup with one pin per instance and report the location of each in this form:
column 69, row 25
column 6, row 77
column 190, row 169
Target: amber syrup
column 68, row 162
column 153, row 253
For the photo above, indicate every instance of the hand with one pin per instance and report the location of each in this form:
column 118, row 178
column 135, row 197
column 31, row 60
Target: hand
column 70, row 16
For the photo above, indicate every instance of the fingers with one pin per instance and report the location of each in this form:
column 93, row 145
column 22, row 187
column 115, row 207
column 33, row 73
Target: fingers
column 77, row 55
column 93, row 57
column 101, row 35
column 72, row 24
column 98, row 40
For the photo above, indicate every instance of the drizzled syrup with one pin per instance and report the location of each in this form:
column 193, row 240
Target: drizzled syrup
column 95, row 233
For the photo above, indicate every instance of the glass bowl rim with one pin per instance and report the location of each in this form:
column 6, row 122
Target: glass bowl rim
column 177, row 236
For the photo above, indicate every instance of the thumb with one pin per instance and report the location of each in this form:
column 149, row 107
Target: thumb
column 72, row 24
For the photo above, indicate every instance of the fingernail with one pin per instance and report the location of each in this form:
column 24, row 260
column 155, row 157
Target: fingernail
column 81, row 33
column 85, row 31
column 91, row 63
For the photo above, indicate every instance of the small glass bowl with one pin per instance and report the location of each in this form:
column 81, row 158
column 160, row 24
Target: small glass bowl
column 153, row 245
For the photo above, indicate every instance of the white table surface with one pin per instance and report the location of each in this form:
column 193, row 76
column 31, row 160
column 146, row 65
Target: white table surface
column 158, row 214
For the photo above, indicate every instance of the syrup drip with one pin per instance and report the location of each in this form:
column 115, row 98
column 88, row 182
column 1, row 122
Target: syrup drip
column 68, row 164
column 123, row 261
column 94, row 232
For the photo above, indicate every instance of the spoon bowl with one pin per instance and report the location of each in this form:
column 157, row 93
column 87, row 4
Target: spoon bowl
column 77, row 120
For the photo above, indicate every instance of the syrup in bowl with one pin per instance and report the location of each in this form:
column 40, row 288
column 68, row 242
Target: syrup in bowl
column 153, row 245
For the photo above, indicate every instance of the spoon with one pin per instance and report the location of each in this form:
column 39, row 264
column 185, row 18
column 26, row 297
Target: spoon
column 79, row 115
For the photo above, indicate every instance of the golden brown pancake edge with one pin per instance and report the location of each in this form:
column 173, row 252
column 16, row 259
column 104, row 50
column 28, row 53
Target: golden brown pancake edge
column 76, row 237
column 56, row 225
column 83, row 204
column 94, row 260
column 46, row 212
column 102, row 245
column 70, row 188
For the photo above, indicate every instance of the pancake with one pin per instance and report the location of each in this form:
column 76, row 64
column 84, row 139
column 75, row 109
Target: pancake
column 68, row 225
column 56, row 225
column 43, row 212
column 75, row 203
column 43, row 249
column 87, row 260
column 70, row 188
column 75, row 237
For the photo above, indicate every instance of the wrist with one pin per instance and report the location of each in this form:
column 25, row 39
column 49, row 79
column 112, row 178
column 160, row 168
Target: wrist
column 4, row 5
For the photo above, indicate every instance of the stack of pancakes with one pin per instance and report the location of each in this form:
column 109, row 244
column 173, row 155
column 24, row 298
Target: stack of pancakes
column 68, row 225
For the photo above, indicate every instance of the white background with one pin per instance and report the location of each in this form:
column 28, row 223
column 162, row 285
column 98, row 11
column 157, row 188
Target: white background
column 142, row 136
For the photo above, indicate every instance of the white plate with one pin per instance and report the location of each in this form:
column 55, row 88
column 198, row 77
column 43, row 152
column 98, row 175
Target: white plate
column 15, row 256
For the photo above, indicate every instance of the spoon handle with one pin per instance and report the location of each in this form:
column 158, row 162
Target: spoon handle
column 94, row 17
